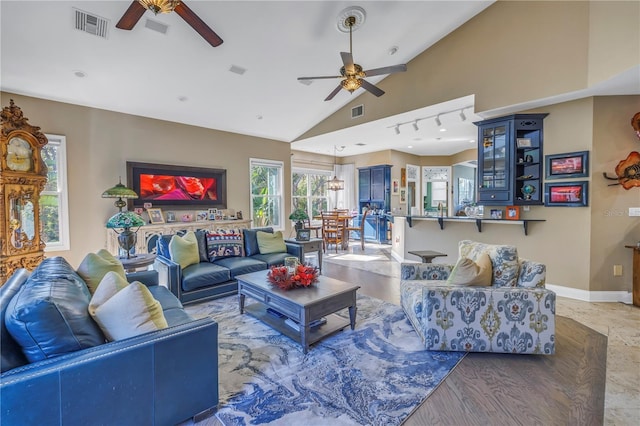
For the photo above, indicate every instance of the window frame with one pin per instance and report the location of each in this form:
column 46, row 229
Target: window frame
column 255, row 162
column 62, row 193
column 309, row 197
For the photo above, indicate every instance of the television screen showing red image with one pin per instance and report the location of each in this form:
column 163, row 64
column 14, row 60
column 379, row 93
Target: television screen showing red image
column 169, row 185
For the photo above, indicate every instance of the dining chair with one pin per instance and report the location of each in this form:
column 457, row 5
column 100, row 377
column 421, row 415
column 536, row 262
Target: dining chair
column 306, row 224
column 332, row 230
column 359, row 229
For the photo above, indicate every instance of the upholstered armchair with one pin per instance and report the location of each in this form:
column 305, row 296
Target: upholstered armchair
column 515, row 314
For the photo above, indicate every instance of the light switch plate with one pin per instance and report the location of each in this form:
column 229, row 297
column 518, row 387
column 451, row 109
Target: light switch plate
column 634, row 211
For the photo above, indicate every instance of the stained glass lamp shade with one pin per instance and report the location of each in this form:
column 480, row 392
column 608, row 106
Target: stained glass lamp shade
column 125, row 221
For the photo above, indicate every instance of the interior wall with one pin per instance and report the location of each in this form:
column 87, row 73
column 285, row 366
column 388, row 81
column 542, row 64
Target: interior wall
column 99, row 143
column 611, row 226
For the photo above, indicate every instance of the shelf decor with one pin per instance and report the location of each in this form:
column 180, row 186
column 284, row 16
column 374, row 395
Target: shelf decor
column 567, row 165
column 566, row 194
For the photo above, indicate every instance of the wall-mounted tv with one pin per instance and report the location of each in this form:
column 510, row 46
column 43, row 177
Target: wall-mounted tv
column 177, row 186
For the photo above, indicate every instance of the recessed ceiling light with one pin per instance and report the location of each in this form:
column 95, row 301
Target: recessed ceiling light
column 443, row 130
column 472, row 141
column 80, row 74
column 361, row 144
column 183, row 98
column 259, row 117
column 410, row 146
column 237, row 70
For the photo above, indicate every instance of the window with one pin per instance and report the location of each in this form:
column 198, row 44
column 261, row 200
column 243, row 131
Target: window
column 266, row 193
column 54, row 209
column 309, row 189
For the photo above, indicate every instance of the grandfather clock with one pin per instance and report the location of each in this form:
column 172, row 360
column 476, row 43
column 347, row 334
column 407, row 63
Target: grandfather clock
column 23, row 176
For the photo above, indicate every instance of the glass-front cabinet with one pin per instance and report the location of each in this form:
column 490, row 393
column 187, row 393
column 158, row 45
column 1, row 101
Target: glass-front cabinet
column 510, row 160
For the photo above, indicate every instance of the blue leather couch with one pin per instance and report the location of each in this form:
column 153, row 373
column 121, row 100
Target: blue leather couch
column 157, row 378
column 211, row 280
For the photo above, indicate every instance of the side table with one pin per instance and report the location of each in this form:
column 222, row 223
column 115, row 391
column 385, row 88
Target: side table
column 427, row 255
column 313, row 245
column 139, row 261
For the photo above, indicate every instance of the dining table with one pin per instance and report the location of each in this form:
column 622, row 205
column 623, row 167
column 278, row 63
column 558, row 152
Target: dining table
column 345, row 218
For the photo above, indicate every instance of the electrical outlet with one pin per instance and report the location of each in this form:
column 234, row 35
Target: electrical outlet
column 634, row 211
column 617, row 270
column 526, row 208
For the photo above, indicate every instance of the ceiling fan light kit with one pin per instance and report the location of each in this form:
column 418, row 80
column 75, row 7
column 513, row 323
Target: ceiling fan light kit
column 159, row 6
column 351, row 73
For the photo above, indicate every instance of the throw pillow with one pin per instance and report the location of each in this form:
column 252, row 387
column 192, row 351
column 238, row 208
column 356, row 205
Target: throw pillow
column 94, row 266
column 468, row 272
column 271, row 242
column 184, row 250
column 201, row 236
column 504, row 260
column 220, row 246
column 110, row 285
column 48, row 316
column 129, row 312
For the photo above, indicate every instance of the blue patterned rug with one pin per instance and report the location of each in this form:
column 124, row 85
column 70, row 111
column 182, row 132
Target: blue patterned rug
column 376, row 374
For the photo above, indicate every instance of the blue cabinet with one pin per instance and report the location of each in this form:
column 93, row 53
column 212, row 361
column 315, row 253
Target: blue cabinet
column 374, row 187
column 375, row 228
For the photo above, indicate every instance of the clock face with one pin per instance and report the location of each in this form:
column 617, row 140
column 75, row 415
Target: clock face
column 19, row 156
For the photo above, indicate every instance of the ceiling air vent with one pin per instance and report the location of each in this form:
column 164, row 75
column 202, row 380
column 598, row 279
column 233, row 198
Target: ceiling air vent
column 357, row 111
column 91, row 24
column 156, row 26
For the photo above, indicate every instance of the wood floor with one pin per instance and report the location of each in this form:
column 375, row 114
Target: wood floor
column 567, row 388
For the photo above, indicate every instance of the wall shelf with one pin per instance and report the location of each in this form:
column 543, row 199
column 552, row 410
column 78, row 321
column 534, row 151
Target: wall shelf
column 478, row 221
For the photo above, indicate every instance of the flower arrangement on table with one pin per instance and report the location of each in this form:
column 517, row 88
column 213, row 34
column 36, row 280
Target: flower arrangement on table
column 302, row 276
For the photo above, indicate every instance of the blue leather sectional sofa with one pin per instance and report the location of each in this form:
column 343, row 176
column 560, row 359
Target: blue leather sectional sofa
column 157, row 378
column 211, row 280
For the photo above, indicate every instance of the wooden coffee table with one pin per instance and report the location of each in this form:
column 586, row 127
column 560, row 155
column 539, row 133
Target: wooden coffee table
column 302, row 305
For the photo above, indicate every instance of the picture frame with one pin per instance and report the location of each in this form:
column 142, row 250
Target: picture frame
column 403, row 195
column 239, row 215
column 202, row 215
column 395, row 187
column 496, row 214
column 155, row 216
column 513, row 213
column 403, row 177
column 212, row 213
column 171, row 217
column 303, row 235
column 567, row 165
column 567, row 194
column 523, row 142
column 187, row 217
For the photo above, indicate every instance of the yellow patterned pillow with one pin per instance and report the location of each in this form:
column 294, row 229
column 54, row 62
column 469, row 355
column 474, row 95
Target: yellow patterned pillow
column 184, row 250
column 94, row 267
column 468, row 272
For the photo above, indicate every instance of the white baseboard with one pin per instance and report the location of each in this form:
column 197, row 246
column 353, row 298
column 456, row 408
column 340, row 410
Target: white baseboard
column 591, row 296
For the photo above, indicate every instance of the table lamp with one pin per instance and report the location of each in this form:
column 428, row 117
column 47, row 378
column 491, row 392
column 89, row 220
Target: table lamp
column 124, row 220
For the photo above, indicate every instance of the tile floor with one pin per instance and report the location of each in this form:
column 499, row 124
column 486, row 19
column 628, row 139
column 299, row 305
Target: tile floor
column 618, row 321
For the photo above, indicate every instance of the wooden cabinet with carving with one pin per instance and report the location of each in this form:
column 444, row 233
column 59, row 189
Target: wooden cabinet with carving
column 23, row 176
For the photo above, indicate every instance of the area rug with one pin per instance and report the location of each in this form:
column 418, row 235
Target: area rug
column 376, row 374
column 376, row 258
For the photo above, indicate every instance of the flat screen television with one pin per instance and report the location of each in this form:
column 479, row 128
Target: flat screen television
column 177, row 186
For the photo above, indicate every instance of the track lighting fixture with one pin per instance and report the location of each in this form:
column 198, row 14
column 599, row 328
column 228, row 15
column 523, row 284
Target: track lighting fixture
column 415, row 126
column 436, row 117
column 462, row 116
column 438, row 122
column 397, row 129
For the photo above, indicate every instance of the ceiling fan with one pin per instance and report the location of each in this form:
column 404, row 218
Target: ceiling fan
column 352, row 74
column 138, row 7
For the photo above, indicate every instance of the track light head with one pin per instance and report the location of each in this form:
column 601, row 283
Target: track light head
column 415, row 126
column 462, row 116
column 438, row 122
column 397, row 129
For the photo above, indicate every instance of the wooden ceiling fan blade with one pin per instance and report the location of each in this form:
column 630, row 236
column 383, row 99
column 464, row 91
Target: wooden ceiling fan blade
column 374, row 90
column 347, row 60
column 335, row 92
column 318, row 78
column 198, row 24
column 386, row 70
column 131, row 16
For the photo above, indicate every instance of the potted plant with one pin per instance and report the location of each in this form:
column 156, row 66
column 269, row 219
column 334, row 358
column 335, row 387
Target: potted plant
column 298, row 216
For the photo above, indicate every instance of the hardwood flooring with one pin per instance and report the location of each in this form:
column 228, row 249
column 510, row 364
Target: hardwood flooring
column 567, row 388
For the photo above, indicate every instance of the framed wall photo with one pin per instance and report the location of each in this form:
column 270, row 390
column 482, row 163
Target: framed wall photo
column 395, row 187
column 303, row 234
column 513, row 213
column 212, row 214
column 496, row 214
column 403, row 195
column 567, row 165
column 202, row 215
column 171, row 217
column 155, row 216
column 566, row 194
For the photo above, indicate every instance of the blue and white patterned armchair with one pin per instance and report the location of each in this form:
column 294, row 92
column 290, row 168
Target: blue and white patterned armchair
column 516, row 314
